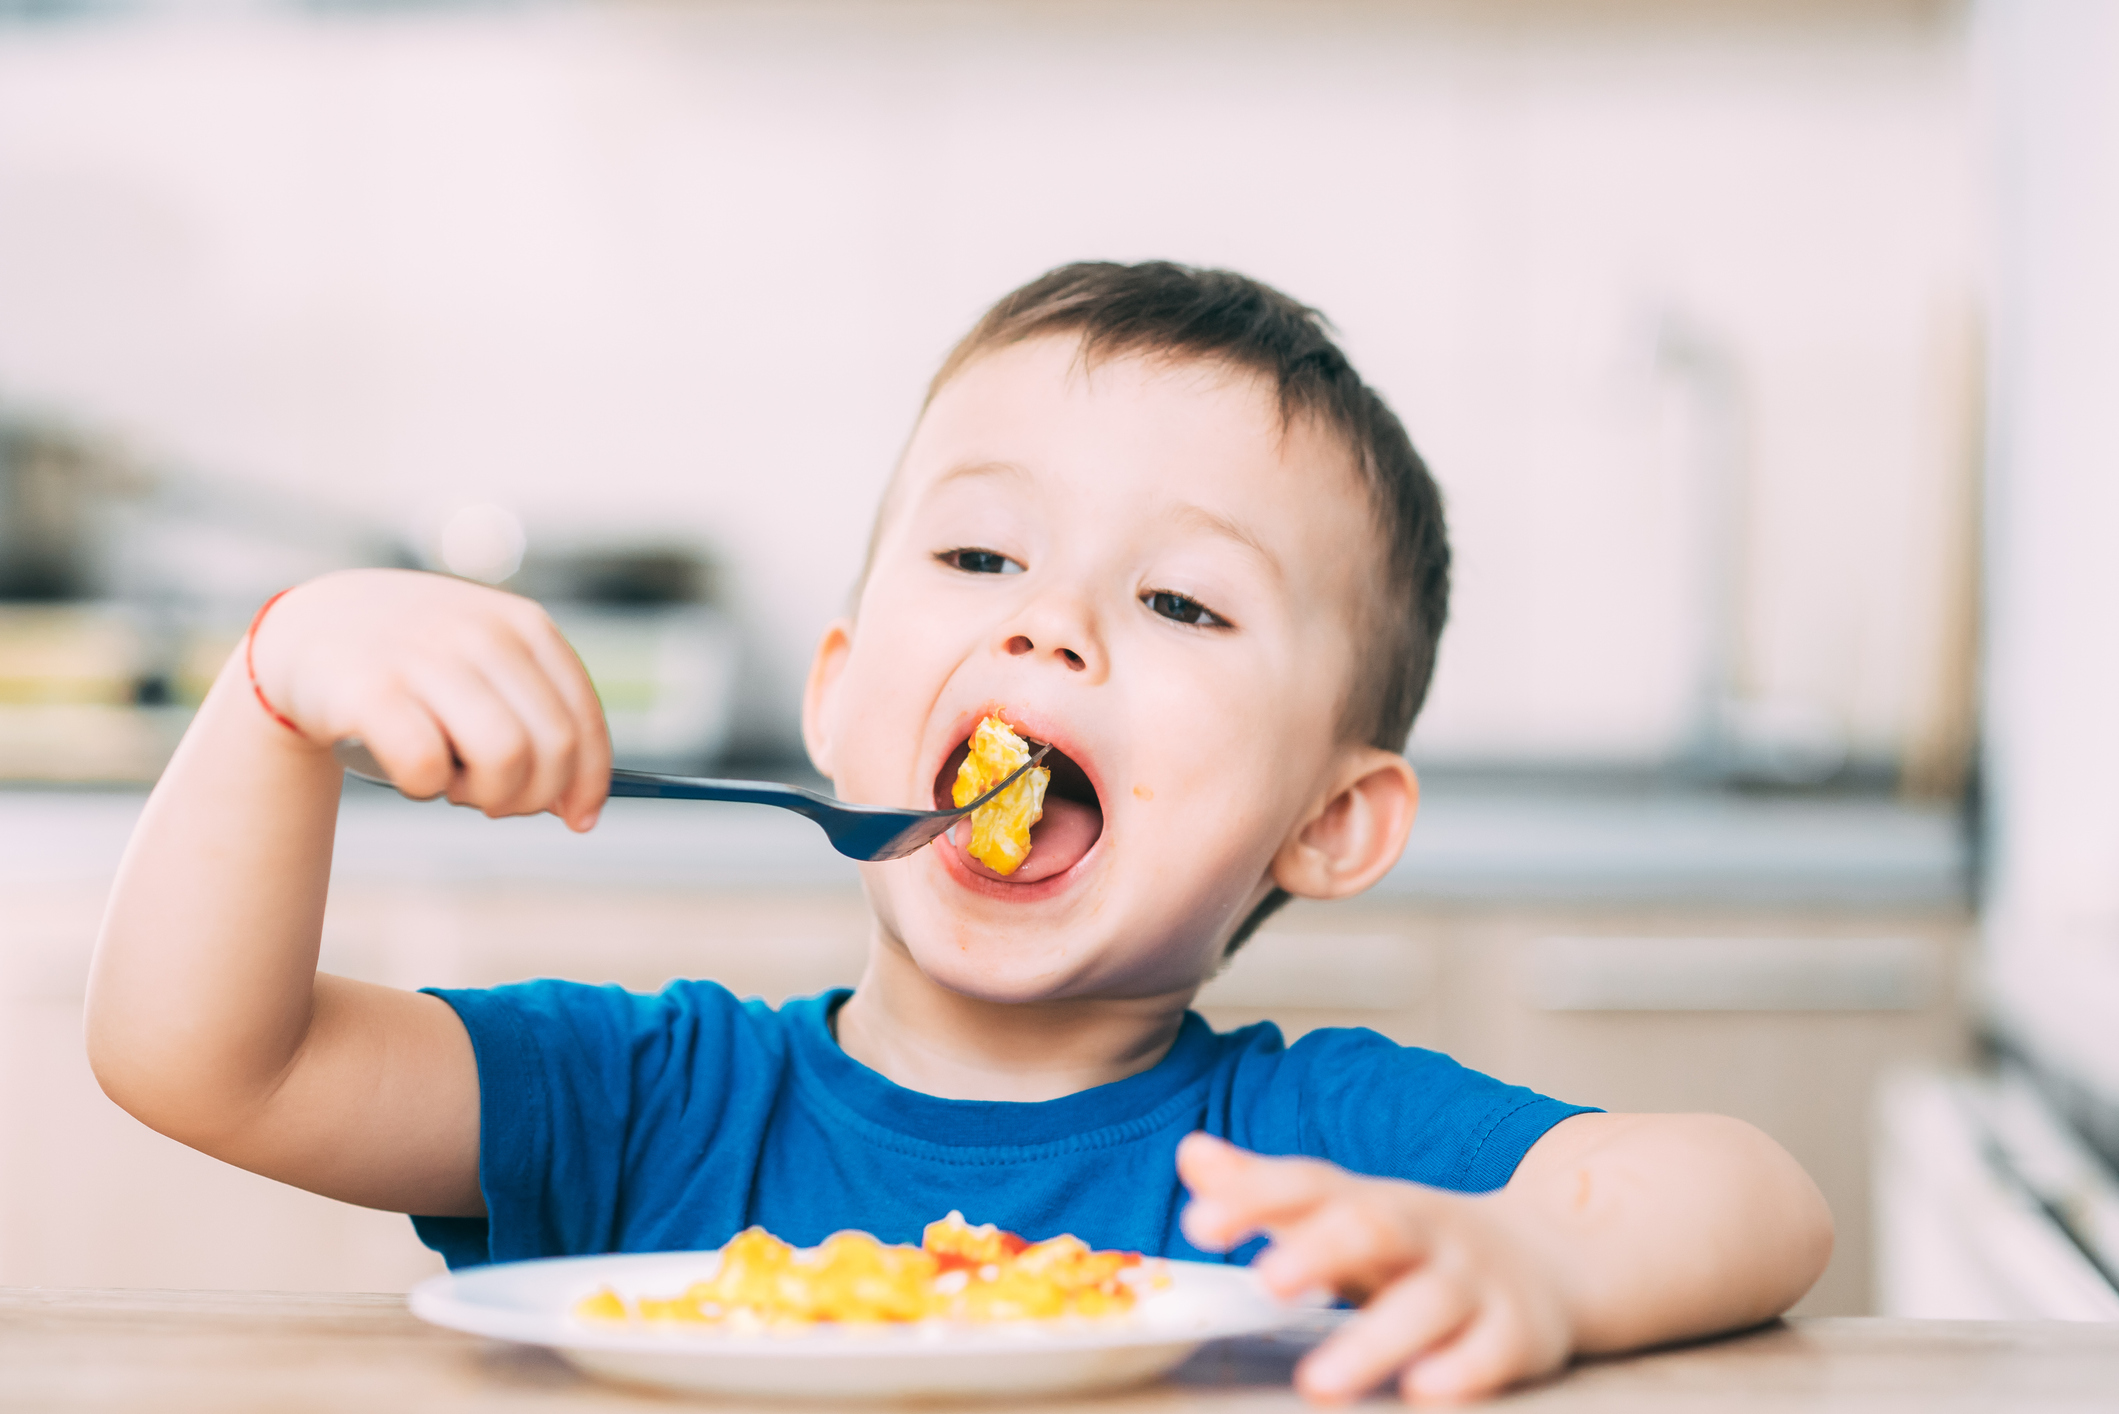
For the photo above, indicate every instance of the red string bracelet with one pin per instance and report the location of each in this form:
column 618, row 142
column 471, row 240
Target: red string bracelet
column 250, row 665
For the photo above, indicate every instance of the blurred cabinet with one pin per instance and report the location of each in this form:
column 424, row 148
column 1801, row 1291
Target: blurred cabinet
column 1528, row 995
column 90, row 1197
column 1784, row 1018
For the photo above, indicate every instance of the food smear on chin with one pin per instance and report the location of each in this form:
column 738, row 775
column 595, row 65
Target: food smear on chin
column 1000, row 829
column 957, row 1273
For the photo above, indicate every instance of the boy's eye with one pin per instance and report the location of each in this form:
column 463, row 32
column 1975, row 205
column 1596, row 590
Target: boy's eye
column 979, row 562
column 1185, row 611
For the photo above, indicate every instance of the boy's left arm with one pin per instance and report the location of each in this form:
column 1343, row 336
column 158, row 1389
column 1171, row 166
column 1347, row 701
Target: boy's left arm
column 1616, row 1231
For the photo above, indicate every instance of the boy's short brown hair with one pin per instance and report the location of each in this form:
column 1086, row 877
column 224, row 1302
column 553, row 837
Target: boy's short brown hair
column 1182, row 313
column 1217, row 316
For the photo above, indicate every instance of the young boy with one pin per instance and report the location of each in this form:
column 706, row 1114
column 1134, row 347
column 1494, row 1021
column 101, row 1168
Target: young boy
column 1150, row 516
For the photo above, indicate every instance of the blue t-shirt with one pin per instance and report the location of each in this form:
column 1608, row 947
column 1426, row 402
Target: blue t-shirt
column 615, row 1122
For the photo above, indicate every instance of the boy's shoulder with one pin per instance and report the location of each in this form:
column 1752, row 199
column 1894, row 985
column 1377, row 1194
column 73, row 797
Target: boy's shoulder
column 585, row 1028
column 1371, row 1104
column 563, row 1002
column 561, row 999
column 550, row 1005
column 1334, row 1057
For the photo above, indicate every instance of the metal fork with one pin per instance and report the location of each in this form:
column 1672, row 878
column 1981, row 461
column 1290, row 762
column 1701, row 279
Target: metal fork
column 869, row 832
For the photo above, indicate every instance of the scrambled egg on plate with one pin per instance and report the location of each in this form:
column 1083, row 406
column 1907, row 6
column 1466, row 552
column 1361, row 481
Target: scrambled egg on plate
column 957, row 1273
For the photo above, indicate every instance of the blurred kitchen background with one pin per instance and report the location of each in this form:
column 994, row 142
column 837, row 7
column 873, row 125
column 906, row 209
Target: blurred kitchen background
column 1768, row 354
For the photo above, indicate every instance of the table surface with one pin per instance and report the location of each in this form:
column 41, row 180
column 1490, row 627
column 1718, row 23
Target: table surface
column 177, row 1352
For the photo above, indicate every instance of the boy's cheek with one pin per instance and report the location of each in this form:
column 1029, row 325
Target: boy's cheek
column 878, row 725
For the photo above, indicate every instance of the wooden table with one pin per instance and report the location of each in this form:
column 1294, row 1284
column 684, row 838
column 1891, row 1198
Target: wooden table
column 179, row 1352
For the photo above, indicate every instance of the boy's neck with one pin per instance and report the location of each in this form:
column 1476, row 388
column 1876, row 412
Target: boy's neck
column 906, row 1027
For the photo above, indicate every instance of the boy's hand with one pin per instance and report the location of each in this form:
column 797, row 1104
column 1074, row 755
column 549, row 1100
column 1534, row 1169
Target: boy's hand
column 1456, row 1302
column 457, row 689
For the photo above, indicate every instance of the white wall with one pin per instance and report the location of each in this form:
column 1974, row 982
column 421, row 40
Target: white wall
column 2052, row 741
column 686, row 270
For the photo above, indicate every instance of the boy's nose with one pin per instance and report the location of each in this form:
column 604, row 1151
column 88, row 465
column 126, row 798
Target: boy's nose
column 1021, row 644
column 1060, row 632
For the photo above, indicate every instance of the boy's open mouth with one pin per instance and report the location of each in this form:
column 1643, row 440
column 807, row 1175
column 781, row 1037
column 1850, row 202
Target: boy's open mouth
column 1072, row 823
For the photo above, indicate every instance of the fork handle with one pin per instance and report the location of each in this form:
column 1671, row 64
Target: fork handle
column 652, row 786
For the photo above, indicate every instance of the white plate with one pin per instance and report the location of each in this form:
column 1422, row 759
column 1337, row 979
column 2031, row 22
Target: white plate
column 532, row 1302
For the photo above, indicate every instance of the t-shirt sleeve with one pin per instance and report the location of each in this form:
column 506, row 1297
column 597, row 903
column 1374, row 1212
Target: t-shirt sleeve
column 568, row 1076
column 1360, row 1100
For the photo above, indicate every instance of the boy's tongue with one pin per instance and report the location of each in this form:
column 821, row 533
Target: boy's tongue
column 1056, row 842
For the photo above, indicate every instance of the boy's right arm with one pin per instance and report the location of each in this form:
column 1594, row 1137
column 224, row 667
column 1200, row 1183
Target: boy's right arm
column 206, row 1016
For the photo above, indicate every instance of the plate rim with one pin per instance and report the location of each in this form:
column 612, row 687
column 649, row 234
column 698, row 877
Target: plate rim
column 438, row 1301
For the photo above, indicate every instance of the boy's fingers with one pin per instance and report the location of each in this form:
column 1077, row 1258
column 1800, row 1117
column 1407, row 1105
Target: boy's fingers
column 1261, row 1186
column 1236, row 1193
column 491, row 742
column 581, row 803
column 1491, row 1352
column 1232, row 1211
column 409, row 745
column 1354, row 1244
column 1410, row 1317
column 1201, row 1157
column 582, row 799
column 518, row 680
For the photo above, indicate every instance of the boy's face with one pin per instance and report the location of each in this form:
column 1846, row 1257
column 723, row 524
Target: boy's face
column 1140, row 566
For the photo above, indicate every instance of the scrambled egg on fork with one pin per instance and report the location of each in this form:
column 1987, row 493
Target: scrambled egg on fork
column 1000, row 829
column 958, row 1272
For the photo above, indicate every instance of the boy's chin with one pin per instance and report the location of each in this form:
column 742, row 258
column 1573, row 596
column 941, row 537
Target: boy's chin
column 1002, row 973
column 1033, row 966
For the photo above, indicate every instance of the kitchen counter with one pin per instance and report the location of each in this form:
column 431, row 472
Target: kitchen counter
column 1474, row 841
column 177, row 1352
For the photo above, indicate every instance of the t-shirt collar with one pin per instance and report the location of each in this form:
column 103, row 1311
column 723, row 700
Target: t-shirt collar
column 990, row 1123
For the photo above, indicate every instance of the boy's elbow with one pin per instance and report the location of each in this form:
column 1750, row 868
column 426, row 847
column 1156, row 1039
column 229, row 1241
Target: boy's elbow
column 1812, row 1231
column 138, row 1074
column 113, row 1059
column 1797, row 1223
column 1771, row 1228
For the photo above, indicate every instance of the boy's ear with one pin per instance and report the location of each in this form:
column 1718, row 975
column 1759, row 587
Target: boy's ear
column 817, row 693
column 1357, row 830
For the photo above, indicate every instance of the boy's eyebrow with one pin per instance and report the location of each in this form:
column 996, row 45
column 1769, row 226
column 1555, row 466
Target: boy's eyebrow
column 964, row 471
column 1200, row 518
